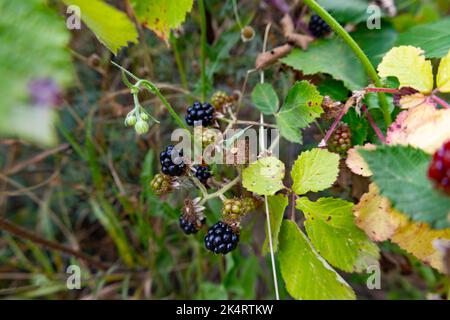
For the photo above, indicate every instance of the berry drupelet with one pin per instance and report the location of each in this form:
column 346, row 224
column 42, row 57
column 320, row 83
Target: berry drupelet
column 202, row 173
column 318, row 27
column 172, row 162
column 200, row 114
column 439, row 170
column 341, row 140
column 221, row 238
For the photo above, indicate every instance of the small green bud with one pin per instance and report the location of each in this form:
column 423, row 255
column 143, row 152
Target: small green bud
column 130, row 120
column 141, row 127
column 144, row 116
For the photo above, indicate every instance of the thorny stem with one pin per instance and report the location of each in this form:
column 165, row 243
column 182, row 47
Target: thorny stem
column 201, row 7
column 370, row 70
column 440, row 101
column 385, row 90
column 373, row 124
column 333, row 127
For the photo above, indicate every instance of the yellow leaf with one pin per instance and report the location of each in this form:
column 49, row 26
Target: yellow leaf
column 356, row 163
column 375, row 215
column 409, row 66
column 162, row 15
column 423, row 127
column 443, row 75
column 413, row 100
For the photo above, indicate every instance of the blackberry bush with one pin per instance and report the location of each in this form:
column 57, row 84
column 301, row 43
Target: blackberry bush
column 200, row 114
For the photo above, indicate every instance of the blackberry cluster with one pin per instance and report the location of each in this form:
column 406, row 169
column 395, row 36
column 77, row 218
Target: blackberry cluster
column 318, row 27
column 175, row 167
column 341, row 140
column 202, row 173
column 190, row 227
column 200, row 113
column 221, row 238
column 439, row 170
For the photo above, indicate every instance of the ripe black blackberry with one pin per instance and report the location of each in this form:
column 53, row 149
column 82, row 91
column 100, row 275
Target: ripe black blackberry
column 439, row 170
column 318, row 27
column 190, row 227
column 202, row 173
column 172, row 162
column 200, row 114
column 221, row 238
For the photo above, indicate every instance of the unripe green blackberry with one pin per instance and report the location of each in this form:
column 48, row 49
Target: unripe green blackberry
column 233, row 207
column 209, row 136
column 161, row 184
column 220, row 99
column 341, row 140
column 250, row 204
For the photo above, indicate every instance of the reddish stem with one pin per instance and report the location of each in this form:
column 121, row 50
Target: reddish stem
column 333, row 127
column 440, row 101
column 373, row 124
column 385, row 90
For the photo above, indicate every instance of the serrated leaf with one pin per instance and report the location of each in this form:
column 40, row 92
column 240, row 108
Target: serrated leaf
column 332, row 230
column 314, row 170
column 358, row 125
column 375, row 43
column 306, row 274
column 112, row 27
column 401, row 174
column 434, row 38
column 443, row 75
column 161, row 16
column 265, row 98
column 33, row 50
column 409, row 66
column 423, row 127
column 264, row 177
column 277, row 205
column 381, row 222
column 301, row 107
column 333, row 57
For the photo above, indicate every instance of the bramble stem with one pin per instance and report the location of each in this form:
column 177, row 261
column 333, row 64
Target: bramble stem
column 385, row 90
column 201, row 8
column 272, row 256
column 370, row 70
column 440, row 101
column 221, row 191
column 373, row 124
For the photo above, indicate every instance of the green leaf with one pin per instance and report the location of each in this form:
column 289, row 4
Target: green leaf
column 348, row 11
column 264, row 177
column 334, row 89
column 314, row 170
column 34, row 49
column 331, row 227
column 401, row 174
column 265, row 98
column 375, row 43
column 162, row 15
column 301, row 107
column 277, row 205
column 433, row 38
column 359, row 126
column 330, row 56
column 112, row 27
column 306, row 274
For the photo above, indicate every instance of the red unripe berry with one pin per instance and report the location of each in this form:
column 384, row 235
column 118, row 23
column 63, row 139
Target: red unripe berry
column 439, row 170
